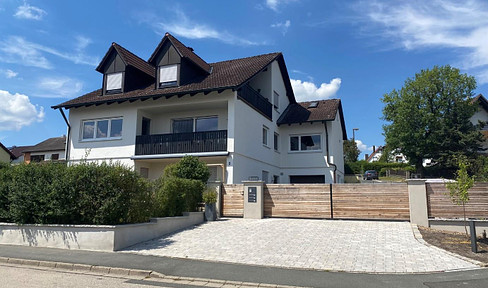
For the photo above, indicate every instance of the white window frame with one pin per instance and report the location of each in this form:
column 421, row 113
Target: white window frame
column 114, row 75
column 109, row 129
column 276, row 142
column 300, row 141
column 265, row 137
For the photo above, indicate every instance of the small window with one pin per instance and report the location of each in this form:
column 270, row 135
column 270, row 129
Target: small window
column 114, row 82
column 276, row 179
column 54, row 157
column 265, row 135
column 168, row 75
column 275, row 141
column 276, row 100
column 102, row 129
column 144, row 172
column 305, row 143
column 37, row 158
column 265, row 176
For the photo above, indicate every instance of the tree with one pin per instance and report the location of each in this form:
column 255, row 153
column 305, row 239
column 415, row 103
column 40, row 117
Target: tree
column 429, row 118
column 458, row 190
column 351, row 151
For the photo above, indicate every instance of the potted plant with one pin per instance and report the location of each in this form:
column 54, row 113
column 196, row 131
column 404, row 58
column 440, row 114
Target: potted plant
column 210, row 198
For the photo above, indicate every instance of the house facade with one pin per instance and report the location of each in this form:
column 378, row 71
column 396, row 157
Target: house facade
column 5, row 155
column 52, row 149
column 239, row 116
column 481, row 115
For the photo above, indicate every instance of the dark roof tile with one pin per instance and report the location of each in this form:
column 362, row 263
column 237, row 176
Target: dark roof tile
column 51, row 144
column 225, row 75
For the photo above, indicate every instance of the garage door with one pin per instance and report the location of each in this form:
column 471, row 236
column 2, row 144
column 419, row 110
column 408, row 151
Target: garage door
column 307, row 179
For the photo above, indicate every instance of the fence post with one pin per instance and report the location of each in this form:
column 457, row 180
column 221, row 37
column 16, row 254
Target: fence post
column 331, row 203
column 253, row 199
column 417, row 200
column 217, row 187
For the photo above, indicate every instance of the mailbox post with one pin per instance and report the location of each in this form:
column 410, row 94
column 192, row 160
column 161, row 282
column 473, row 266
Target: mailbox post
column 253, row 199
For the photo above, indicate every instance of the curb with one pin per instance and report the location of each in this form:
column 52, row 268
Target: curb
column 114, row 271
column 419, row 238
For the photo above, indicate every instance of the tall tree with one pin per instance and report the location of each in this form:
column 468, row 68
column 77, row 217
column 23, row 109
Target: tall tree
column 430, row 117
column 351, row 151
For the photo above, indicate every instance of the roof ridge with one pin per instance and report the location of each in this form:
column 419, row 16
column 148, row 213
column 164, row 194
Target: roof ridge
column 120, row 46
column 249, row 57
column 171, row 38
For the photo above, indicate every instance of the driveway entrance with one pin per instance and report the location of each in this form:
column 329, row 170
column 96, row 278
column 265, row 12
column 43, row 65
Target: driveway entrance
column 337, row 245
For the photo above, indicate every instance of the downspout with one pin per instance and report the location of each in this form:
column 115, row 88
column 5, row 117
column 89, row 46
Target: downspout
column 67, row 136
column 327, row 151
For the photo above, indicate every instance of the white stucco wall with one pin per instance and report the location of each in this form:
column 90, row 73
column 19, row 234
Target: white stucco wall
column 49, row 154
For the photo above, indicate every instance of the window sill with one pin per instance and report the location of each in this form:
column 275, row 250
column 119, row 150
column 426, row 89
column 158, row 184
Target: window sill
column 266, row 146
column 101, row 139
column 305, row 151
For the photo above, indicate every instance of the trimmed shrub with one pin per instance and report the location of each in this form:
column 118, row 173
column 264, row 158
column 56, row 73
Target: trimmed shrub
column 177, row 195
column 189, row 167
column 51, row 193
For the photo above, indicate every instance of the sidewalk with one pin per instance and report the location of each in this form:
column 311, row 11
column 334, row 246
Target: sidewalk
column 242, row 273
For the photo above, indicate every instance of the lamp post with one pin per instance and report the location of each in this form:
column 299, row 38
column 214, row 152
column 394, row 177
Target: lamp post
column 353, row 134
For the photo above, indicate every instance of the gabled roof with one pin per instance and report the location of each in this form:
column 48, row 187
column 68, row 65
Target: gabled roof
column 12, row 156
column 18, row 150
column 51, row 144
column 229, row 74
column 320, row 111
column 129, row 59
column 378, row 150
column 481, row 100
column 184, row 51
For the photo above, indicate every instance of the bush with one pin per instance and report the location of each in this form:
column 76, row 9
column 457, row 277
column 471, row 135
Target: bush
column 51, row 193
column 359, row 167
column 209, row 196
column 177, row 195
column 189, row 167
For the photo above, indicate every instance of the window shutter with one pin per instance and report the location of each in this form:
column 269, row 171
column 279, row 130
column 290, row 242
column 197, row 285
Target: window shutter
column 168, row 73
column 114, row 81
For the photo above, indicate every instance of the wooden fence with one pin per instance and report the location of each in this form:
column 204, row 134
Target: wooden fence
column 349, row 201
column 441, row 206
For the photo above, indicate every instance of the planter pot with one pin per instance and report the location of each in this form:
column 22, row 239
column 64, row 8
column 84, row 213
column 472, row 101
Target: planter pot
column 210, row 212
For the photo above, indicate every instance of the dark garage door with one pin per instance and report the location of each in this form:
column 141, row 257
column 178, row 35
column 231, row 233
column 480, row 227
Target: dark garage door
column 307, row 179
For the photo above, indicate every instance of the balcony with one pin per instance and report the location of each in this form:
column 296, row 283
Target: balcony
column 208, row 141
column 255, row 100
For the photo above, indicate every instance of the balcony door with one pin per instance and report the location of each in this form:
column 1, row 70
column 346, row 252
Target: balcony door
column 146, row 126
column 200, row 124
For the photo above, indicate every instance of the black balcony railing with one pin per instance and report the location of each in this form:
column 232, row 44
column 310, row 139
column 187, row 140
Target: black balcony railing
column 209, row 141
column 256, row 100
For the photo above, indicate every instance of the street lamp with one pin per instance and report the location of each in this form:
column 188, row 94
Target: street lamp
column 353, row 135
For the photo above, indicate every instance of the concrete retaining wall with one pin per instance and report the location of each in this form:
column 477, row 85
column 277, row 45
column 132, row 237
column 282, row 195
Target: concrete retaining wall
column 94, row 237
column 457, row 225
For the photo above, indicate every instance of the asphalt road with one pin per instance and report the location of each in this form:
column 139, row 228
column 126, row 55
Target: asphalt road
column 247, row 273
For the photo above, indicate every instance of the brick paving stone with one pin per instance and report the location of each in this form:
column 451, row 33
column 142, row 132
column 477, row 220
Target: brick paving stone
column 340, row 245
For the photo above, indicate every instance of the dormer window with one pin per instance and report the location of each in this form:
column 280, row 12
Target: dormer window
column 114, row 82
column 168, row 75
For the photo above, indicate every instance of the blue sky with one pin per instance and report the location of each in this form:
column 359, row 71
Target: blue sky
column 353, row 50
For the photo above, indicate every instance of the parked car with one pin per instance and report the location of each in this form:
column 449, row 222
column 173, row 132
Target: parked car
column 370, row 175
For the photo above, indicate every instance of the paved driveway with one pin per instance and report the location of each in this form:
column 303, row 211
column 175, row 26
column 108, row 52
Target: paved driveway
column 337, row 245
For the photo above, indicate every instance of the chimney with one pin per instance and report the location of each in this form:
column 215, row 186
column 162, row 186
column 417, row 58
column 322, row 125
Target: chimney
column 374, row 148
column 189, row 48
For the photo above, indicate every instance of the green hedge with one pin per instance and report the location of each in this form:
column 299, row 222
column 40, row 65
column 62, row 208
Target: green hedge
column 52, row 193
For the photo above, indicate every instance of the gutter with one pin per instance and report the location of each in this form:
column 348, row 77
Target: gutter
column 67, row 136
column 327, row 151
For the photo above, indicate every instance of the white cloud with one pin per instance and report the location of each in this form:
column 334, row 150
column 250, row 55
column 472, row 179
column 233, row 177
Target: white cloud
column 15, row 49
column 412, row 25
column 283, row 26
column 183, row 26
column 59, row 87
column 9, row 73
column 30, row 12
column 275, row 4
column 16, row 111
column 308, row 91
column 363, row 147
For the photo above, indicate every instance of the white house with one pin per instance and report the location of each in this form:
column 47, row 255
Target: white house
column 52, row 149
column 239, row 116
column 481, row 115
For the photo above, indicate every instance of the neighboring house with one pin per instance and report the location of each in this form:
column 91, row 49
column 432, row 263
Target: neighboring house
column 18, row 152
column 482, row 115
column 395, row 156
column 5, row 155
column 238, row 116
column 52, row 149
